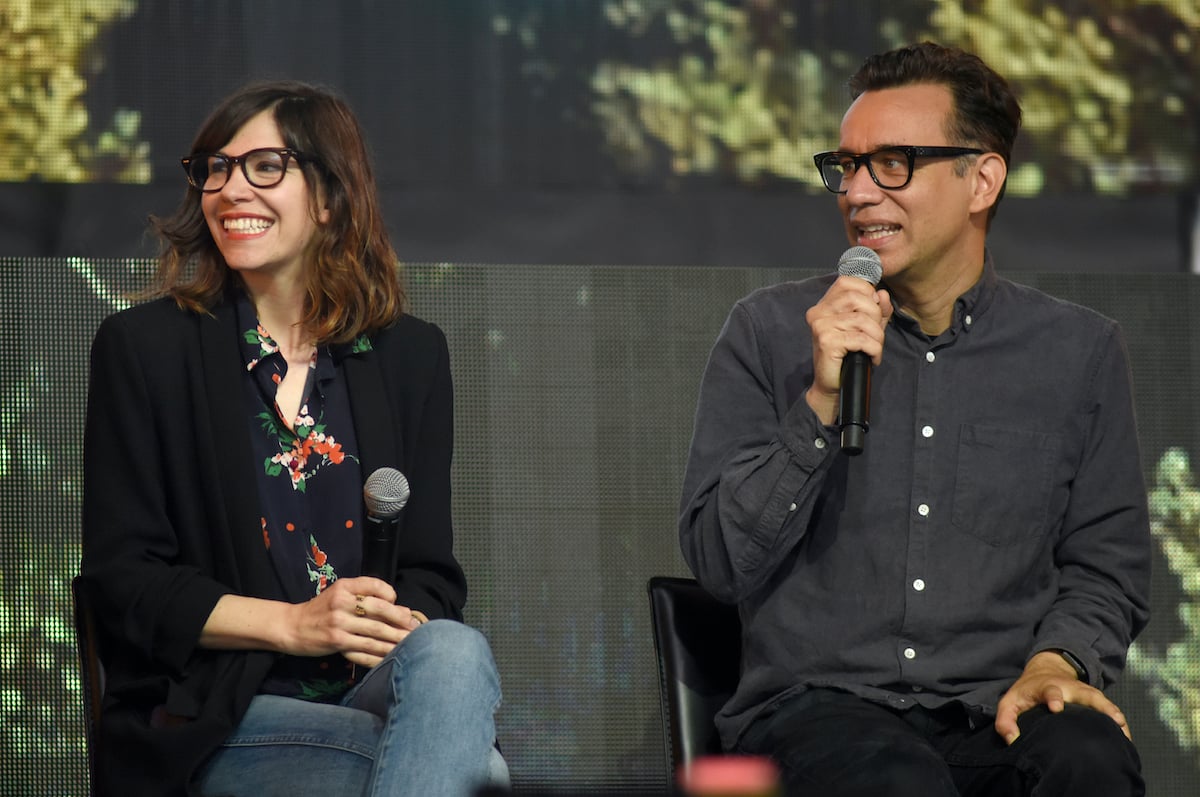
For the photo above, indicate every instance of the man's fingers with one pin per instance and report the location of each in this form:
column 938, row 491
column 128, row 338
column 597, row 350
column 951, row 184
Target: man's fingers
column 1054, row 699
column 1006, row 721
column 1122, row 723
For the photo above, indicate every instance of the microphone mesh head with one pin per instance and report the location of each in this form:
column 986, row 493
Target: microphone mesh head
column 861, row 262
column 386, row 492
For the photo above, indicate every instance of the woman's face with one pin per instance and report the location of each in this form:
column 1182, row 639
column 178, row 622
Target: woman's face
column 262, row 232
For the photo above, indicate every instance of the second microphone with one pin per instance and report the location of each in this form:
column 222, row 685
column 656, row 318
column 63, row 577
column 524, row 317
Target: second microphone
column 385, row 493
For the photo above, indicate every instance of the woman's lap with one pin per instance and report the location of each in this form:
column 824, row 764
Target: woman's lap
column 442, row 676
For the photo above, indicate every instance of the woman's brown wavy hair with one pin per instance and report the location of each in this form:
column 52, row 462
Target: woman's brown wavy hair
column 353, row 282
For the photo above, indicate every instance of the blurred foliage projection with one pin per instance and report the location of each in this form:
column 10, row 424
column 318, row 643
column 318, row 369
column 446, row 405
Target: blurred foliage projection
column 1174, row 676
column 1110, row 90
column 46, row 56
column 737, row 93
column 42, row 743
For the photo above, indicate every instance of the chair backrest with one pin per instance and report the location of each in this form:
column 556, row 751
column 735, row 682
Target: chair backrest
column 91, row 671
column 698, row 642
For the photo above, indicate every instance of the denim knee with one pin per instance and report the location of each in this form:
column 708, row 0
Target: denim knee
column 460, row 649
column 442, row 660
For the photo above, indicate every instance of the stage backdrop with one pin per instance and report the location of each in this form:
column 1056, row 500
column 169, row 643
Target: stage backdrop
column 575, row 393
column 601, row 131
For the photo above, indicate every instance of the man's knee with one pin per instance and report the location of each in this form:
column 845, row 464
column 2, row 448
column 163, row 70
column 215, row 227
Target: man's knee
column 1080, row 751
column 1081, row 732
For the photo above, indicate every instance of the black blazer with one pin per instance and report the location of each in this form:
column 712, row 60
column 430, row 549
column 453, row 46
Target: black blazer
column 171, row 520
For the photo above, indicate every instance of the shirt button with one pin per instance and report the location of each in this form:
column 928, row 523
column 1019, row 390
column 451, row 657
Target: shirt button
column 909, row 653
column 926, row 431
column 919, row 585
column 968, row 320
column 923, row 510
column 929, row 357
column 819, row 443
column 791, row 507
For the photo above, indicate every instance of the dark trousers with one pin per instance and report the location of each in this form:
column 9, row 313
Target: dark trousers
column 833, row 744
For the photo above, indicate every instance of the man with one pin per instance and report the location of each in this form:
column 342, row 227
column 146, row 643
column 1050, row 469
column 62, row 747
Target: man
column 940, row 614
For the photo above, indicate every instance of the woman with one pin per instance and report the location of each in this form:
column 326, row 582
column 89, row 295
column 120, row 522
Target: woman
column 231, row 424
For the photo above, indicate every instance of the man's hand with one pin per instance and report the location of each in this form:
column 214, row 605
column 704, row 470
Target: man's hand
column 1048, row 678
column 851, row 316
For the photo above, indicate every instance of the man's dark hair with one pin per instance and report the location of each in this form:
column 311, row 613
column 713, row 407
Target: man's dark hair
column 986, row 112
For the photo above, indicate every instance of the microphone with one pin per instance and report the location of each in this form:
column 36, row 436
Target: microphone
column 385, row 493
column 854, row 400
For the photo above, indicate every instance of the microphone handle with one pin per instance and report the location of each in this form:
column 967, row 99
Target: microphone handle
column 379, row 548
column 854, row 402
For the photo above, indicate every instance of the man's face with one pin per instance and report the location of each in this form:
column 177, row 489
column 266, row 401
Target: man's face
column 926, row 229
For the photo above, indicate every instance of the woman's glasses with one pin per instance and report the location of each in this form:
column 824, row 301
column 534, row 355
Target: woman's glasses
column 263, row 168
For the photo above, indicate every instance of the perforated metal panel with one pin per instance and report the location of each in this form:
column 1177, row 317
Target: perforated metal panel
column 575, row 391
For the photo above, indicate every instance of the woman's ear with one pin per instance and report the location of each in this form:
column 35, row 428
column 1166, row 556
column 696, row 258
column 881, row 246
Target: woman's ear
column 320, row 206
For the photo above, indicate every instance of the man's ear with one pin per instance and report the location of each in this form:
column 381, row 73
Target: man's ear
column 989, row 174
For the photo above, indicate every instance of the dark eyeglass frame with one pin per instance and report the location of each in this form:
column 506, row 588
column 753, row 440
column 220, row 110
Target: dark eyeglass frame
column 285, row 154
column 911, row 153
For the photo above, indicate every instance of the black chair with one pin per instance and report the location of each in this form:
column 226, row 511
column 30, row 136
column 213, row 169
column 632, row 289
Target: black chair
column 91, row 671
column 698, row 643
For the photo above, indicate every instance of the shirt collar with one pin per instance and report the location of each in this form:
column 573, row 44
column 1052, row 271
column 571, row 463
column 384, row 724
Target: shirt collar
column 972, row 305
column 968, row 308
column 257, row 345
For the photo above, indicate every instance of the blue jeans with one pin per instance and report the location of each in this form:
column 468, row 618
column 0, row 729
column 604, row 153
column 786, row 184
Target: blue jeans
column 421, row 722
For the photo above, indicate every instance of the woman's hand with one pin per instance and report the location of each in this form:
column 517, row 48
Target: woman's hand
column 357, row 617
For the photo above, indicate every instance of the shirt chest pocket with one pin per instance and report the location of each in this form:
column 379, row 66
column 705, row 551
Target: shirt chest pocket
column 1003, row 483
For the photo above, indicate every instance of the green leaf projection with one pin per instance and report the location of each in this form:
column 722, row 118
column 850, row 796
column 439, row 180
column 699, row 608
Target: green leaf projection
column 749, row 91
column 48, row 52
column 1174, row 673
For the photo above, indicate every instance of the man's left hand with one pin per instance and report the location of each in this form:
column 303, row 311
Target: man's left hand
column 1050, row 679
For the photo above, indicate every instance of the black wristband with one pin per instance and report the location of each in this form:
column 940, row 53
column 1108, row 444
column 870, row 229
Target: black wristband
column 1076, row 664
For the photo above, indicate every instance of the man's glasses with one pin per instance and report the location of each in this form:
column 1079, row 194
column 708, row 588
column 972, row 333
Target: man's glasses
column 263, row 168
column 890, row 167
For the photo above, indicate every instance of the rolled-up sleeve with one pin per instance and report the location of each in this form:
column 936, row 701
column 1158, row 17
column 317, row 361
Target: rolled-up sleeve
column 755, row 466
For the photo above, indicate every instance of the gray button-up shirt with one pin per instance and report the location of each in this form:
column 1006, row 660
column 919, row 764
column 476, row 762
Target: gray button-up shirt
column 998, row 508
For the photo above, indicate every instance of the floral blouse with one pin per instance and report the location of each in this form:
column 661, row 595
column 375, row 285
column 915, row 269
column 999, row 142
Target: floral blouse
column 309, row 487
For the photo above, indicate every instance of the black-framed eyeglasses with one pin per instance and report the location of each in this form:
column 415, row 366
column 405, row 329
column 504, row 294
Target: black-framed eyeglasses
column 263, row 168
column 889, row 167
